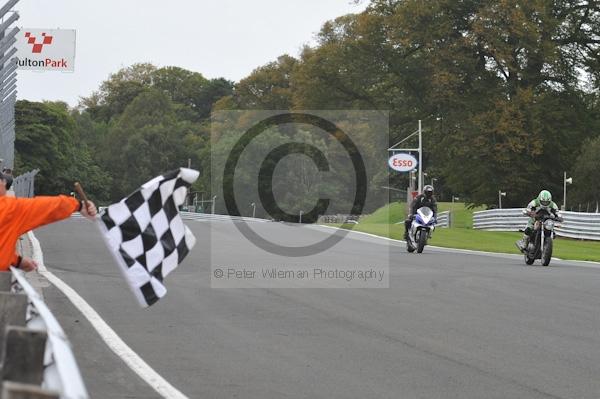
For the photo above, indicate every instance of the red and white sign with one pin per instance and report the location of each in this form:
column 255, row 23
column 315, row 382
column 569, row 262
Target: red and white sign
column 46, row 49
column 402, row 162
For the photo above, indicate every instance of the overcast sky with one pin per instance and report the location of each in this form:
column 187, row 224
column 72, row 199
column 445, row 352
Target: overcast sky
column 218, row 38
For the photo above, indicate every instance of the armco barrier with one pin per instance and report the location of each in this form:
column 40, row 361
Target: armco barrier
column 339, row 218
column 23, row 185
column 579, row 225
column 58, row 374
column 215, row 217
column 443, row 219
column 196, row 216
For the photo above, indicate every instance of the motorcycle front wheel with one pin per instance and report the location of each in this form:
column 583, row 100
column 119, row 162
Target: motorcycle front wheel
column 547, row 252
column 422, row 241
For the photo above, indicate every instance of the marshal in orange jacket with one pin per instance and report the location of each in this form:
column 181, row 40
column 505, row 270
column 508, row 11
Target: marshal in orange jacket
column 19, row 215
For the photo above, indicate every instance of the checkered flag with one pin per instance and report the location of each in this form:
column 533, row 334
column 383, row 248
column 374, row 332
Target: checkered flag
column 146, row 235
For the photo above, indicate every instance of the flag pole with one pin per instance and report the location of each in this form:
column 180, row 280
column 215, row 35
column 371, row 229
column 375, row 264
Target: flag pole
column 83, row 197
column 81, row 193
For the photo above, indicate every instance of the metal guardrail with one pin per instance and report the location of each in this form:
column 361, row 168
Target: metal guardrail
column 339, row 218
column 209, row 216
column 443, row 219
column 195, row 216
column 579, row 225
column 23, row 185
column 61, row 373
column 500, row 219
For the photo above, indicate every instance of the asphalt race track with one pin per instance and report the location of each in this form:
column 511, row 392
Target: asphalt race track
column 450, row 325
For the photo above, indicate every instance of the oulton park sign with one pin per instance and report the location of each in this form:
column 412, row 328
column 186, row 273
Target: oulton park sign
column 46, row 49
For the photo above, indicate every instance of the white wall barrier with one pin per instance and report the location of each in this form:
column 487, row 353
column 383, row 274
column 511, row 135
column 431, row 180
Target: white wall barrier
column 579, row 225
column 61, row 373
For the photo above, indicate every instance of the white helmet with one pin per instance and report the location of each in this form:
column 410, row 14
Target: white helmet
column 428, row 191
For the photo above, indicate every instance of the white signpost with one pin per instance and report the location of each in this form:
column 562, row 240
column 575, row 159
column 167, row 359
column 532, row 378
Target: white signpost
column 46, row 49
column 394, row 149
column 403, row 159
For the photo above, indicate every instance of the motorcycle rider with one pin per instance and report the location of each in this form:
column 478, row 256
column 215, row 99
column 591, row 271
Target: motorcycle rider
column 426, row 199
column 542, row 202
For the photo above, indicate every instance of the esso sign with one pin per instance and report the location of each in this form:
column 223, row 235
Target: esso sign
column 402, row 162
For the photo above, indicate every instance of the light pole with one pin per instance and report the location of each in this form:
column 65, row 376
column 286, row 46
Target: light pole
column 253, row 205
column 565, row 181
column 433, row 179
column 454, row 199
column 212, row 206
column 395, row 148
column 420, row 189
column 411, row 188
column 195, row 200
column 452, row 210
column 500, row 195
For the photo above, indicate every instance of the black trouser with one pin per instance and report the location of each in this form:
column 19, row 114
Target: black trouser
column 407, row 224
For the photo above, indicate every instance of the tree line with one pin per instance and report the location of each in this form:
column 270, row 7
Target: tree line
column 508, row 92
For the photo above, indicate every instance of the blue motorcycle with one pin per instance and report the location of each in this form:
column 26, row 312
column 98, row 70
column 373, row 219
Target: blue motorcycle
column 421, row 229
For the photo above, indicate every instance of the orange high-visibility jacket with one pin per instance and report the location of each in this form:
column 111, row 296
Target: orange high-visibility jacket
column 19, row 215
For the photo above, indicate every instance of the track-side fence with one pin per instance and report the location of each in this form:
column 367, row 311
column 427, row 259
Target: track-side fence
column 37, row 361
column 579, row 225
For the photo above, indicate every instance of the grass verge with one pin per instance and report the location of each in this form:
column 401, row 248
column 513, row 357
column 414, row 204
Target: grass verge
column 462, row 235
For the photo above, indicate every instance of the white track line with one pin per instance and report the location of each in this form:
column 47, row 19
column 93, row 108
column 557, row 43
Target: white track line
column 580, row 263
column 110, row 337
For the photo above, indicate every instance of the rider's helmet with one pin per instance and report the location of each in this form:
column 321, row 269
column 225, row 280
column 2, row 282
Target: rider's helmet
column 545, row 198
column 428, row 191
